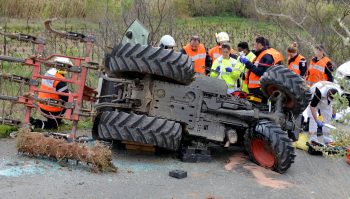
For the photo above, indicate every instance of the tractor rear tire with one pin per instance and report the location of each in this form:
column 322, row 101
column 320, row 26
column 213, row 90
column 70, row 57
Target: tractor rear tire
column 129, row 59
column 269, row 146
column 291, row 84
column 122, row 126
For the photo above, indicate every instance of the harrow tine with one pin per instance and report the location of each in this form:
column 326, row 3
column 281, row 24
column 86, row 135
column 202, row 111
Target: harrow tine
column 12, row 59
column 8, row 98
column 9, row 121
column 15, row 78
column 24, row 37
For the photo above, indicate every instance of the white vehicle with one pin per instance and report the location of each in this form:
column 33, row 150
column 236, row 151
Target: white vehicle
column 343, row 72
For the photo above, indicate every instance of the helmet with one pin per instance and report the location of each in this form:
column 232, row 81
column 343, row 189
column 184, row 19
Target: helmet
column 222, row 37
column 63, row 60
column 167, row 41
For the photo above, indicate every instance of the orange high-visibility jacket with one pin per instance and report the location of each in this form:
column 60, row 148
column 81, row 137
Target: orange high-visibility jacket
column 216, row 52
column 294, row 66
column 253, row 80
column 277, row 56
column 198, row 57
column 317, row 71
column 50, row 85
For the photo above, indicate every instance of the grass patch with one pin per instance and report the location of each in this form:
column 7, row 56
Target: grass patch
column 5, row 130
column 234, row 21
column 68, row 125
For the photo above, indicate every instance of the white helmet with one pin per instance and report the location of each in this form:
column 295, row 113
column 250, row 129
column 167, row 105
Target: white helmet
column 167, row 41
column 222, row 37
column 63, row 60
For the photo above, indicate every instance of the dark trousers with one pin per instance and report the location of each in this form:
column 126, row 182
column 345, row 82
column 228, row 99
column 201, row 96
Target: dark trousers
column 50, row 123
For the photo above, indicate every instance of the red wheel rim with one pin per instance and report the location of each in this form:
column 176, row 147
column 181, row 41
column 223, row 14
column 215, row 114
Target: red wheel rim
column 348, row 155
column 262, row 153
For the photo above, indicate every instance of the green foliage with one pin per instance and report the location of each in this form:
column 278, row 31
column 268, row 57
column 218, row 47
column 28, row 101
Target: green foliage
column 338, row 148
column 197, row 8
column 38, row 9
column 340, row 102
column 5, row 130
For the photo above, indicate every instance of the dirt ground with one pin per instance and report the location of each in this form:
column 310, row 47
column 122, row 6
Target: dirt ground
column 140, row 175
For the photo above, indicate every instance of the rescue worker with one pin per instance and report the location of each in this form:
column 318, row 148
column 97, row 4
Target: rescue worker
column 296, row 62
column 196, row 50
column 167, row 42
column 264, row 59
column 320, row 68
column 216, row 52
column 224, row 67
column 51, row 112
column 323, row 93
column 243, row 50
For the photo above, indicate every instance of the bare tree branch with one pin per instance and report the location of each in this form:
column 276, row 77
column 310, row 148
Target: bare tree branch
column 346, row 39
column 290, row 18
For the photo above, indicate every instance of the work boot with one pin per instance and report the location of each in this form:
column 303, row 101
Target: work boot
column 38, row 124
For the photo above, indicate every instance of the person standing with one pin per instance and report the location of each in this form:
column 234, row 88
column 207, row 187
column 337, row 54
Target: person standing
column 320, row 68
column 167, row 42
column 264, row 59
column 243, row 50
column 196, row 50
column 224, row 67
column 216, row 51
column 296, row 62
column 52, row 113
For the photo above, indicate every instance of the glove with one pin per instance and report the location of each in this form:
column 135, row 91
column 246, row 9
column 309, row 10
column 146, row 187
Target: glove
column 319, row 124
column 334, row 116
column 244, row 60
column 218, row 69
column 228, row 69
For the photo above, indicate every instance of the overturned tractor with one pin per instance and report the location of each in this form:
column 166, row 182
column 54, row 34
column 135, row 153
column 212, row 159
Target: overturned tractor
column 151, row 96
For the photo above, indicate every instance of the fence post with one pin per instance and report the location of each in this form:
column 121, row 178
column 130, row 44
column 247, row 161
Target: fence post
column 5, row 43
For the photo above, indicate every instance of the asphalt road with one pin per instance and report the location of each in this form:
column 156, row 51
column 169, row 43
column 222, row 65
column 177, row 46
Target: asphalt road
column 229, row 175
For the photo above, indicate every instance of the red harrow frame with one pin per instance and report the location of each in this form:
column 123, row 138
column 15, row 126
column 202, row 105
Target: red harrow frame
column 79, row 72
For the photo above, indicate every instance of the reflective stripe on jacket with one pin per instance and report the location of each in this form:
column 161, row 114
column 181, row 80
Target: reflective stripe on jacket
column 198, row 57
column 50, row 85
column 230, row 78
column 253, row 79
column 294, row 66
column 251, row 56
column 317, row 71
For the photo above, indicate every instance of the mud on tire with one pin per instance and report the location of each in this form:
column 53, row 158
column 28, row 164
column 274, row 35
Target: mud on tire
column 269, row 146
column 128, row 59
column 291, row 84
column 117, row 125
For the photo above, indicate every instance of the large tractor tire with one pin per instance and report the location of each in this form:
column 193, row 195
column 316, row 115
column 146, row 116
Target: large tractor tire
column 128, row 60
column 122, row 126
column 292, row 85
column 269, row 146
